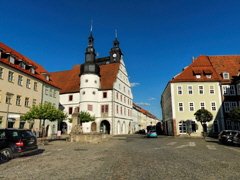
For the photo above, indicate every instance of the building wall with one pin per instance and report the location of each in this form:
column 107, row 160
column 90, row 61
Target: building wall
column 17, row 90
column 183, row 111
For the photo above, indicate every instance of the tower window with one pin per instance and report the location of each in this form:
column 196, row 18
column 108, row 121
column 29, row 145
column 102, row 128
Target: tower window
column 70, row 97
column 70, row 110
column 104, row 94
column 90, row 108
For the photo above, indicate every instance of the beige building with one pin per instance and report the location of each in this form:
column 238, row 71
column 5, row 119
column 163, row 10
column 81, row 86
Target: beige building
column 23, row 83
column 207, row 83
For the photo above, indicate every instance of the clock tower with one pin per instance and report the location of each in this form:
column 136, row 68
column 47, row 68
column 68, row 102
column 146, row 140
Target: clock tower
column 115, row 53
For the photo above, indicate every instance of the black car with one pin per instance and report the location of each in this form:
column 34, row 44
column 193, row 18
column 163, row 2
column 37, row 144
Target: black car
column 16, row 142
column 226, row 136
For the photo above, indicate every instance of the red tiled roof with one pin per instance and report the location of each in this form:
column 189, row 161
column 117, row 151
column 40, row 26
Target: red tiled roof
column 214, row 65
column 147, row 113
column 69, row 80
column 38, row 71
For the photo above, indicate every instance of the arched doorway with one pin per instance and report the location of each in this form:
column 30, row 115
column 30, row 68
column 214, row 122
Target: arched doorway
column 63, row 127
column 105, row 127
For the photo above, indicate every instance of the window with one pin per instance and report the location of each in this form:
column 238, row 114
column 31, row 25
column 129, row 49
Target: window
column 23, row 65
column 46, row 91
column 209, row 76
column 211, row 90
column 228, row 90
column 54, row 94
column 117, row 109
column 182, row 127
column 20, row 80
column 10, row 76
column 70, row 110
column 1, row 73
column 200, row 89
column 35, row 86
column 8, row 99
column 0, row 95
column 213, row 106
column 202, row 105
column 11, row 60
column 26, row 102
column 232, row 90
column 32, row 70
column 34, row 102
column 180, row 106
column 90, row 108
column 238, row 89
column 190, row 90
column 179, row 89
column 50, row 94
column 198, row 76
column 104, row 108
column 191, row 106
column 225, row 75
column 104, row 94
column 18, row 100
column 70, row 97
column 28, row 83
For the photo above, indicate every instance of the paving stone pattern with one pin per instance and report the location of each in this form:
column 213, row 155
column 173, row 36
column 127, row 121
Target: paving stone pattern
column 129, row 157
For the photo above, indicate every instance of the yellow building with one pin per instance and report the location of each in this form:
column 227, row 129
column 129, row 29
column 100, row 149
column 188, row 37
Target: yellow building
column 23, row 83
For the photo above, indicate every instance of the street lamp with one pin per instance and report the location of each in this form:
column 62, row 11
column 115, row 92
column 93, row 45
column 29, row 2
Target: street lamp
column 8, row 99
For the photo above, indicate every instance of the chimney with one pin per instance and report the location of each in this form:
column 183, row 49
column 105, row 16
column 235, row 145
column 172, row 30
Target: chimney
column 192, row 58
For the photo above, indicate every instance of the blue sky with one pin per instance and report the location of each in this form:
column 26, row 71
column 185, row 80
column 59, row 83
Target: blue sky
column 157, row 37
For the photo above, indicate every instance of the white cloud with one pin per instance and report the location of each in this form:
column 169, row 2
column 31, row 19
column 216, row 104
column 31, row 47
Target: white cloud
column 134, row 84
column 143, row 104
column 152, row 99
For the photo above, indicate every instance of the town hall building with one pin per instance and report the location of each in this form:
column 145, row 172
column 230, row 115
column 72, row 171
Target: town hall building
column 101, row 87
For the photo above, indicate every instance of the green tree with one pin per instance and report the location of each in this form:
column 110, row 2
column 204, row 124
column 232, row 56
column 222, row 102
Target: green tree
column 234, row 114
column 203, row 116
column 43, row 112
column 86, row 117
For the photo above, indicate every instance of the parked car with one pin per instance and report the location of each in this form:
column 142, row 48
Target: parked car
column 16, row 142
column 236, row 139
column 226, row 136
column 152, row 134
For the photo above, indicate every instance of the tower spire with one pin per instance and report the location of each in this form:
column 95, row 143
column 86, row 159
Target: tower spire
column 91, row 39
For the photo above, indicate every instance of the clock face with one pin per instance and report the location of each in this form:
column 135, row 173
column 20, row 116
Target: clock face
column 114, row 55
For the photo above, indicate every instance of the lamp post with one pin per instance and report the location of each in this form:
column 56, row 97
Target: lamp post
column 8, row 100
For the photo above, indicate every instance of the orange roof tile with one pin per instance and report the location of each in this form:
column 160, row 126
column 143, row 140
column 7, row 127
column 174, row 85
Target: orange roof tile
column 214, row 65
column 38, row 71
column 69, row 80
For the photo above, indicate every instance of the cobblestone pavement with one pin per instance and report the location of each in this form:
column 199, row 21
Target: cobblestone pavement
column 129, row 157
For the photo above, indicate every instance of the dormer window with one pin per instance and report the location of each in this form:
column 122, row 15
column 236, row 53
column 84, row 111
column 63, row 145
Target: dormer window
column 32, row 70
column 209, row 76
column 197, row 73
column 226, row 75
column 23, row 65
column 47, row 76
column 11, row 59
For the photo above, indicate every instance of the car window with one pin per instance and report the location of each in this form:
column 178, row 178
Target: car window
column 13, row 133
column 2, row 134
column 27, row 134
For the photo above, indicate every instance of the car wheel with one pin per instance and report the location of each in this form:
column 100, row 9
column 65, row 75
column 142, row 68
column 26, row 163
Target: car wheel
column 5, row 155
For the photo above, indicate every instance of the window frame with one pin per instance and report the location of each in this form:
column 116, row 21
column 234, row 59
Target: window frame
column 11, row 76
